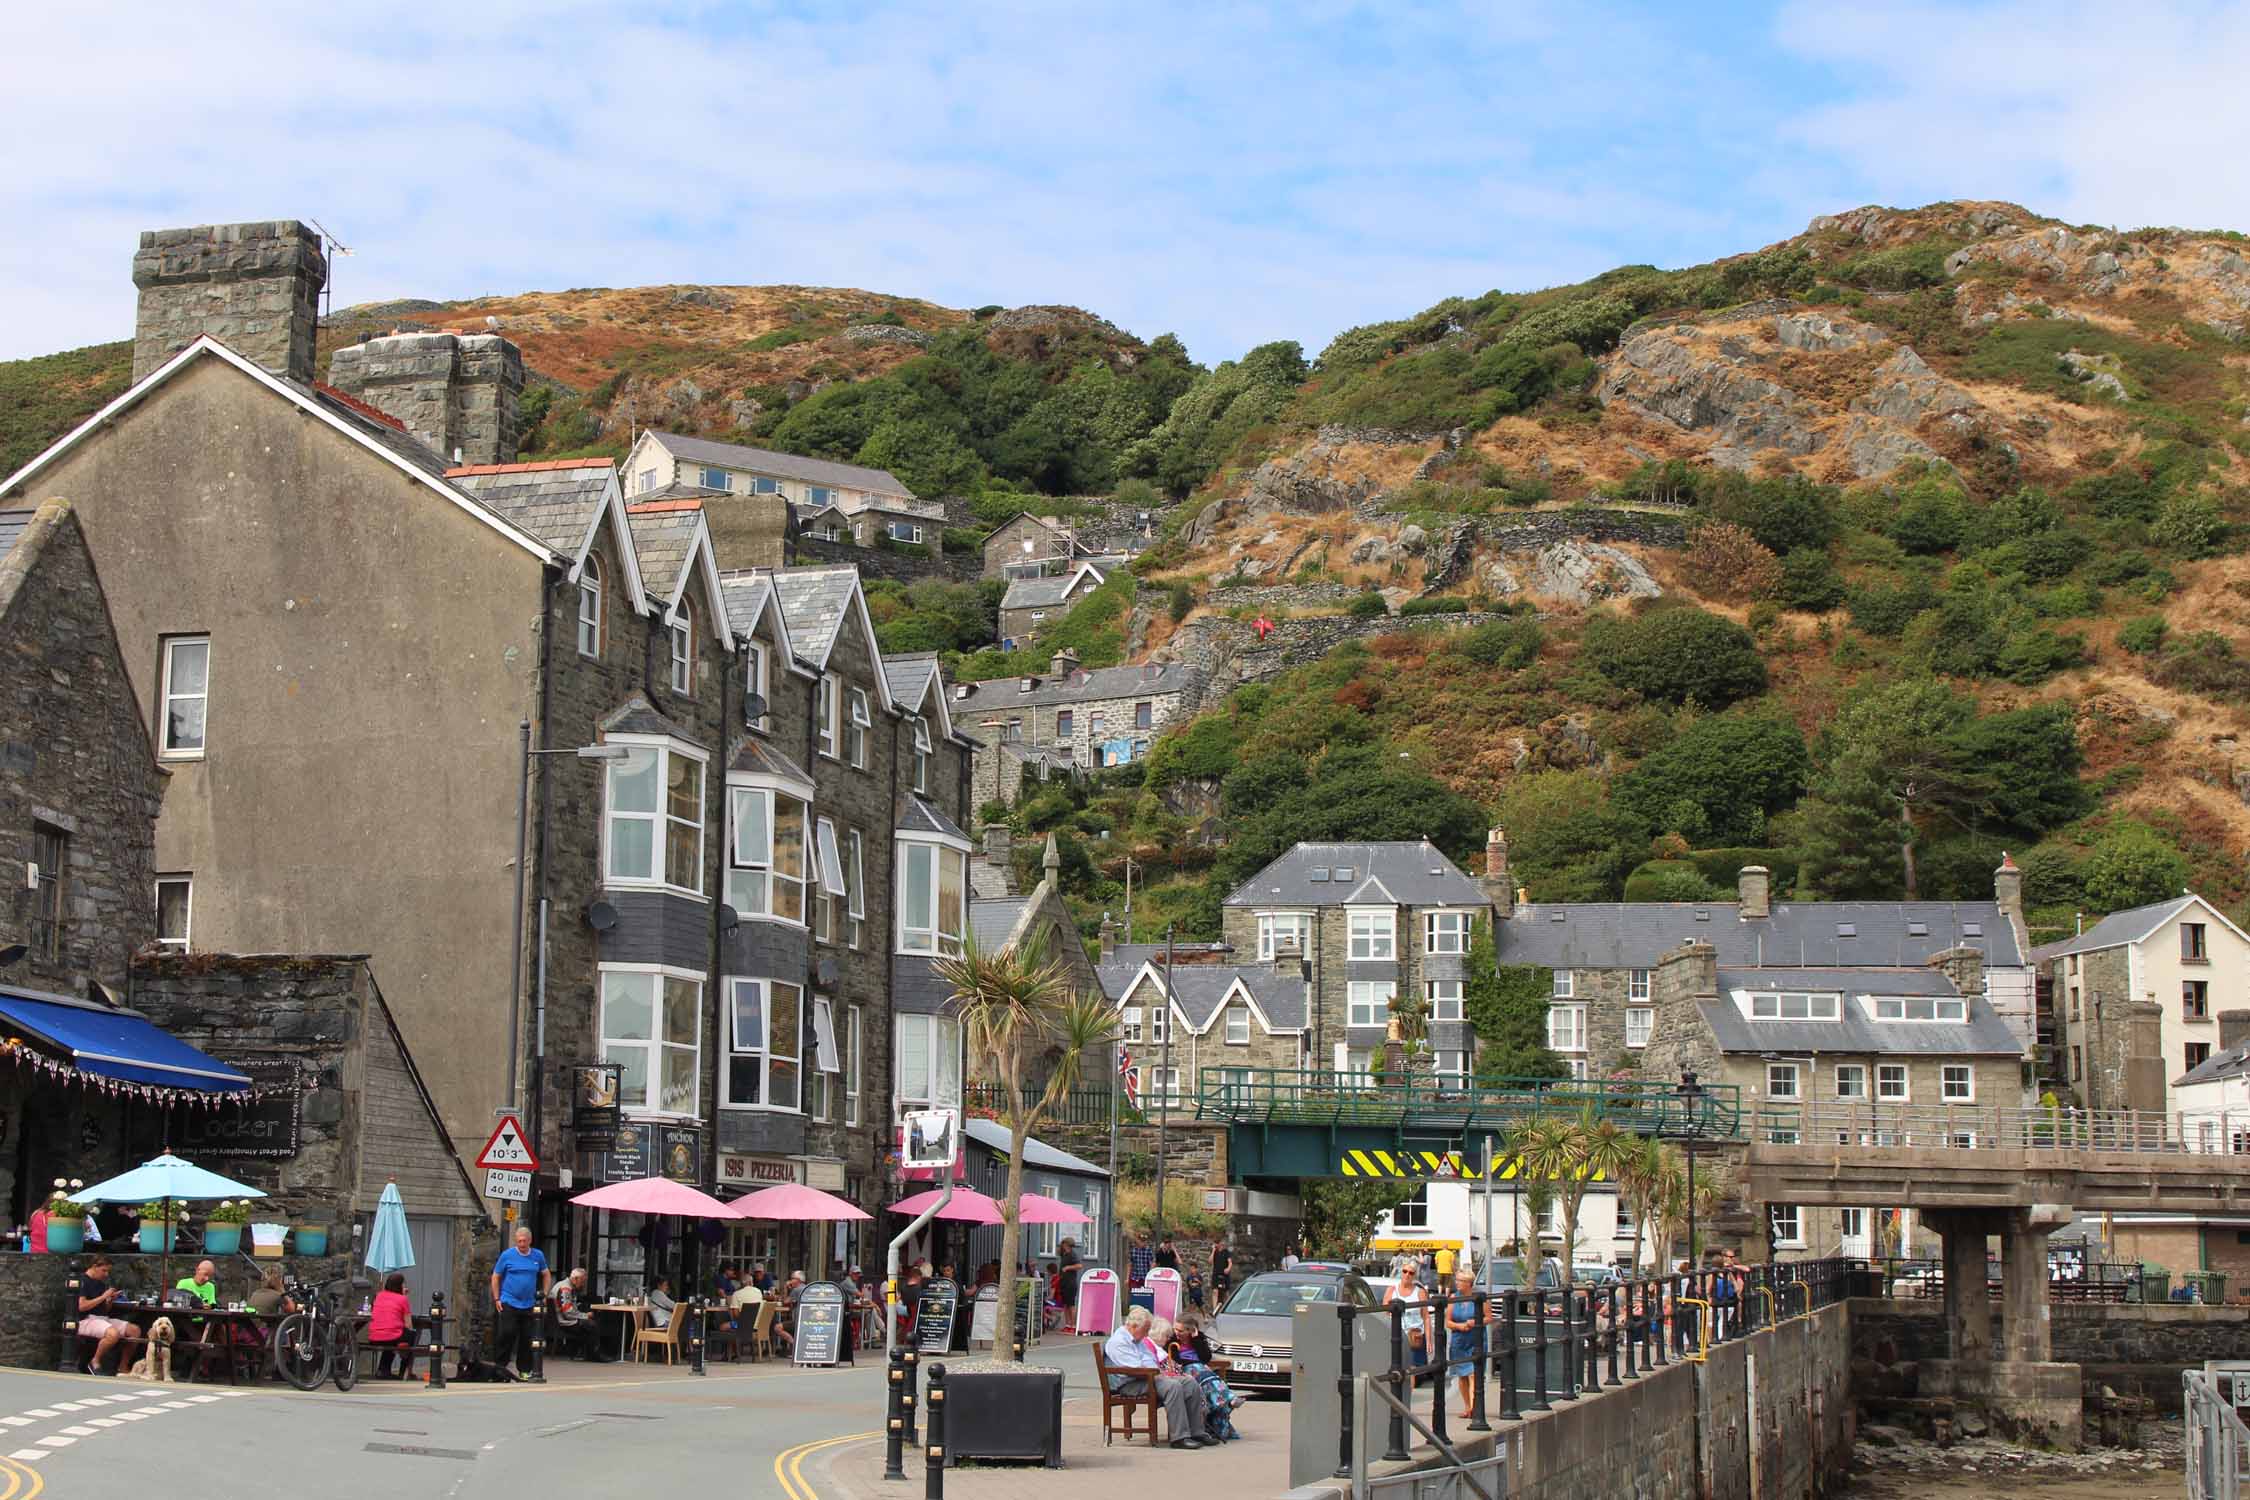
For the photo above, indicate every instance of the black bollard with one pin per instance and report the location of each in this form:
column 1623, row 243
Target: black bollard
column 1435, row 1370
column 1402, row 1385
column 67, row 1362
column 1479, row 1370
column 894, row 1421
column 437, row 1341
column 695, row 1334
column 935, row 1489
column 1538, row 1352
column 1619, row 1311
column 1510, row 1396
column 539, row 1344
column 906, row 1396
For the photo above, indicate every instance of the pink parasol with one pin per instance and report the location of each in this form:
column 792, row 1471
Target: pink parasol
column 1038, row 1208
column 793, row 1201
column 968, row 1206
column 655, row 1195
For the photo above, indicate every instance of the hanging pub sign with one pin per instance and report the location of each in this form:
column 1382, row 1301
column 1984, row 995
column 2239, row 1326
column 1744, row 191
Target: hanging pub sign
column 683, row 1154
column 630, row 1154
column 594, row 1114
column 933, row 1315
column 270, row 1124
column 820, row 1324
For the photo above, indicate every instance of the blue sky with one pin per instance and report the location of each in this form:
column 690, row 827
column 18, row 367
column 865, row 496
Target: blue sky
column 1234, row 173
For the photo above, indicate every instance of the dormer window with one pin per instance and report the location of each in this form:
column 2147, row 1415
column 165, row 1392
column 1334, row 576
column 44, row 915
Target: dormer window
column 1794, row 1007
column 590, row 607
column 683, row 653
column 922, row 756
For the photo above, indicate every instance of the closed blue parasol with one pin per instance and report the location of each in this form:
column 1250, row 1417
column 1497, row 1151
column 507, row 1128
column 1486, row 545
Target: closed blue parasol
column 162, row 1177
column 389, row 1246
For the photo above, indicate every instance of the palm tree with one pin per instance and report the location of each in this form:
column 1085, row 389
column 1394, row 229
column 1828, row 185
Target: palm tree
column 1552, row 1149
column 1639, row 1182
column 1668, row 1203
column 1015, row 1005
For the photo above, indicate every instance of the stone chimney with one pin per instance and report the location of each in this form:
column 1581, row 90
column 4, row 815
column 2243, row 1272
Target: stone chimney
column 999, row 843
column 2234, row 1028
column 2007, row 888
column 254, row 287
column 2147, row 1079
column 1109, row 936
column 457, row 392
column 1288, row 960
column 1064, row 663
column 1679, row 1037
column 1497, row 888
column 1965, row 967
column 1754, row 889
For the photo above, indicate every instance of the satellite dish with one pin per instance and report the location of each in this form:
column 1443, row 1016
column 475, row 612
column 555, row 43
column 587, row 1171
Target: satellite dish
column 826, row 972
column 600, row 915
column 729, row 919
column 753, row 707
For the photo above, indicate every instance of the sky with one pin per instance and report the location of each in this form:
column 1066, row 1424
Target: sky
column 1233, row 173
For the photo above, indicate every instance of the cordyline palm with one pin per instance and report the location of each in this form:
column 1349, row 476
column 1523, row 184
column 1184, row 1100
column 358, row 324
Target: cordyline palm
column 1640, row 1181
column 1552, row 1150
column 1013, row 1005
column 1668, row 1203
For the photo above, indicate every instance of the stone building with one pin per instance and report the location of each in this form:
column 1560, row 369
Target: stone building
column 1604, row 954
column 1373, row 922
column 2183, row 958
column 1032, row 605
column 457, row 393
column 1225, row 1016
column 1038, row 920
column 1031, row 547
column 875, row 503
column 1106, row 716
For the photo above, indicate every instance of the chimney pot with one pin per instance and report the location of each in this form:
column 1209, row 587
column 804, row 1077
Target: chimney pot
column 1499, row 888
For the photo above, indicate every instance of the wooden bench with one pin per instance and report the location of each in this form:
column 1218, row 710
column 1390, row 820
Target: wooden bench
column 1115, row 1401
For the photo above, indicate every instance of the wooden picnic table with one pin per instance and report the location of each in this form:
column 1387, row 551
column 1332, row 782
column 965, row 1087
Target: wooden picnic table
column 237, row 1329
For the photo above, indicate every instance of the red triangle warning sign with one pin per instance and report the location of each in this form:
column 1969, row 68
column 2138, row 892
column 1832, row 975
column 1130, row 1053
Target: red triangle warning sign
column 509, row 1148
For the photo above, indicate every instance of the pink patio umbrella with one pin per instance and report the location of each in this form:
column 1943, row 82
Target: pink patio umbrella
column 1038, row 1208
column 655, row 1195
column 968, row 1206
column 794, row 1201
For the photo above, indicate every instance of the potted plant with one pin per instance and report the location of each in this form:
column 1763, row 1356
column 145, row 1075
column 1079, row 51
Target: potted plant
column 161, row 1219
column 312, row 1239
column 66, row 1221
column 222, row 1227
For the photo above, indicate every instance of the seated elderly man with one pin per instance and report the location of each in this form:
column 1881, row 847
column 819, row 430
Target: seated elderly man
column 1185, row 1408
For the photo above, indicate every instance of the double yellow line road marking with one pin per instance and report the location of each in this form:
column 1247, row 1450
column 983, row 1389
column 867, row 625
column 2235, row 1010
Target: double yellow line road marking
column 19, row 1481
column 789, row 1467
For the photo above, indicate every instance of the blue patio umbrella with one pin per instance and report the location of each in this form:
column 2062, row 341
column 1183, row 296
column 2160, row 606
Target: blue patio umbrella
column 389, row 1246
column 165, row 1177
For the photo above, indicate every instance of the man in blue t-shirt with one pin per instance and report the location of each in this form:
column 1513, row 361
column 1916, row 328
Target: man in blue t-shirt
column 519, row 1286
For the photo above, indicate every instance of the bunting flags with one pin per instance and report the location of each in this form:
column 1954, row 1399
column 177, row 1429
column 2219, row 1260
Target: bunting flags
column 13, row 1050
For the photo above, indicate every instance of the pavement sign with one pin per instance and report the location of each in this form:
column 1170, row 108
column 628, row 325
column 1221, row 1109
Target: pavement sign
column 507, row 1185
column 820, row 1324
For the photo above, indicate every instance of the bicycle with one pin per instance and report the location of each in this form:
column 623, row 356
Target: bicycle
column 317, row 1342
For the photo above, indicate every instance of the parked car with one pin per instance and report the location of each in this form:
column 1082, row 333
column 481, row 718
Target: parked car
column 1254, row 1333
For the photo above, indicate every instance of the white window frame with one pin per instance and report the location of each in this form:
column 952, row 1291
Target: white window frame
column 1453, row 1066
column 1129, row 1024
column 1373, row 933
column 828, row 886
column 1444, row 997
column 1883, row 1082
column 682, row 634
column 1168, row 1089
column 590, row 606
column 930, row 937
column 1795, row 1005
column 756, row 683
column 185, row 942
column 1640, row 1025
column 655, row 1047
column 860, row 730
column 1159, row 1021
column 1570, row 1034
column 1785, row 1080
column 1638, row 984
column 169, row 748
column 1413, row 1212
column 912, row 532
column 1237, row 1024
column 942, row 1058
column 667, row 826
column 1788, row 1224
column 922, row 756
column 1948, row 1009
column 1566, row 984
column 760, row 1047
column 1855, row 1086
column 855, row 888
column 1967, row 1091
column 1368, row 1001
column 855, row 1063
column 1270, row 927
column 825, row 1072
column 748, row 872
column 828, row 699
column 1448, row 932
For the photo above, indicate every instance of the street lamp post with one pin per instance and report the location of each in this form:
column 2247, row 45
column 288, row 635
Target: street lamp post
column 1691, row 1098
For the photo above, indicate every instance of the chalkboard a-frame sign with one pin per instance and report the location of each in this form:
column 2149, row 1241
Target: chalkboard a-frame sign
column 820, row 1324
column 933, row 1315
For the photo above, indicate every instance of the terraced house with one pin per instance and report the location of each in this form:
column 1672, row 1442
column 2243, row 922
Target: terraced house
column 872, row 505
column 1069, row 717
column 1230, row 1017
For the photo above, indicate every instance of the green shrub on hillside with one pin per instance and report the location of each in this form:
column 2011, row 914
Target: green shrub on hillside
column 2142, row 634
column 2131, row 865
column 1368, row 606
column 1677, row 656
column 1432, row 606
column 2189, row 525
column 1512, row 644
column 1718, row 779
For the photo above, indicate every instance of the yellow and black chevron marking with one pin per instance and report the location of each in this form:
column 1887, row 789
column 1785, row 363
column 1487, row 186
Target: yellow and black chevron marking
column 1417, row 1164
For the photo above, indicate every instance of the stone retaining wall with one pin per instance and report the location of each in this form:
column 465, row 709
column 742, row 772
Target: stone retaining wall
column 882, row 562
column 2135, row 1349
column 1229, row 651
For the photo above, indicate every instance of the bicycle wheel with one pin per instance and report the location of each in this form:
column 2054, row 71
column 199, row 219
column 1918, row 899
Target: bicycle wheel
column 343, row 1356
column 299, row 1356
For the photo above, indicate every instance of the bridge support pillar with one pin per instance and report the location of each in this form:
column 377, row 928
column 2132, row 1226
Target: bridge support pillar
column 1968, row 1307
column 2019, row 1388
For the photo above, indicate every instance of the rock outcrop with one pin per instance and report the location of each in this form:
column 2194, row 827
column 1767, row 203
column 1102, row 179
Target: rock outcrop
column 1584, row 573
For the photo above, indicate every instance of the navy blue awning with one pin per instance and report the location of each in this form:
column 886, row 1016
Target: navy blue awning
column 117, row 1043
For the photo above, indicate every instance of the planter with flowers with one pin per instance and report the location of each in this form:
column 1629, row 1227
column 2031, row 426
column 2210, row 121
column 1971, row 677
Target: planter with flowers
column 222, row 1228
column 66, row 1221
column 160, row 1225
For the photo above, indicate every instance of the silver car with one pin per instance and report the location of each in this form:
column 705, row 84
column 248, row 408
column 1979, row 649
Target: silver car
column 1253, row 1332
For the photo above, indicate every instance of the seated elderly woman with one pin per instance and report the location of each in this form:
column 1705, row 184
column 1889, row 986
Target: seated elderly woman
column 1132, row 1349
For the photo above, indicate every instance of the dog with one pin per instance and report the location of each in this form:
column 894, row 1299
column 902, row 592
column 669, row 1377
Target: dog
column 155, row 1362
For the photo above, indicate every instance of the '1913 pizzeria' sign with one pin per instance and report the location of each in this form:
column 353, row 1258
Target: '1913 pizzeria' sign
column 271, row 1124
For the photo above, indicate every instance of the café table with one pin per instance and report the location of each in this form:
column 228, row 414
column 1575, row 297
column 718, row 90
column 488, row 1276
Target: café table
column 226, row 1329
column 632, row 1317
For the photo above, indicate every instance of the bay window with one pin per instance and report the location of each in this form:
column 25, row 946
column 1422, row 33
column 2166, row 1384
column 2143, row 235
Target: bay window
column 1370, row 1001
column 1448, row 932
column 929, row 1062
column 652, row 1028
column 1445, row 999
column 652, row 824
column 765, row 1044
column 1279, row 929
column 1374, row 934
column 766, row 853
column 933, row 882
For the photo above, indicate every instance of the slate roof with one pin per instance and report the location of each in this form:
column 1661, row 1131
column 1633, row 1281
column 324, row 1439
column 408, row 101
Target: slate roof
column 2117, row 929
column 990, row 921
column 1147, row 681
column 1034, row 593
column 12, row 524
column 555, row 502
column 2219, row 1065
column 910, row 676
column 636, row 715
column 1198, row 990
column 758, row 757
column 663, row 540
column 745, row 595
column 1633, row 935
column 813, row 603
column 782, row 465
column 921, row 817
column 993, row 1136
column 1402, row 873
column 1984, row 1034
column 676, row 490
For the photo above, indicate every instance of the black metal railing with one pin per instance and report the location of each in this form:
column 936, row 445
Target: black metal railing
column 2101, row 1281
column 1327, row 1096
column 1078, row 1107
column 1530, row 1347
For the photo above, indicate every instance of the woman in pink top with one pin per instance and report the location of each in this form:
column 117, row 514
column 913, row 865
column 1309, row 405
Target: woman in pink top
column 389, row 1327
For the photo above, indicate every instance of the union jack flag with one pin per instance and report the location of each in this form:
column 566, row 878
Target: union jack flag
column 1129, row 1076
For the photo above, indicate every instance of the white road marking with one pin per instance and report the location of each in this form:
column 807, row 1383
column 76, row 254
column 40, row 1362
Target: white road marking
column 177, row 1405
column 28, row 1455
column 79, row 1431
column 15, row 1421
column 58, row 1441
column 131, row 1416
column 68, row 1405
column 200, row 1399
column 102, row 1422
column 39, row 1411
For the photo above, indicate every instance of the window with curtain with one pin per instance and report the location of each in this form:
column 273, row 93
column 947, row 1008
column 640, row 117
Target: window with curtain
column 651, row 1027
